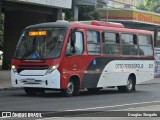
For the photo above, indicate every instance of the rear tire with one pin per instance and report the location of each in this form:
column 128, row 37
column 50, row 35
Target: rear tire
column 130, row 87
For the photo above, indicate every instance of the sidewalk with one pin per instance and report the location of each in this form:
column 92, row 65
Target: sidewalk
column 5, row 80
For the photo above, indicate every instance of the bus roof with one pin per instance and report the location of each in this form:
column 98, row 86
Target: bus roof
column 91, row 25
column 51, row 24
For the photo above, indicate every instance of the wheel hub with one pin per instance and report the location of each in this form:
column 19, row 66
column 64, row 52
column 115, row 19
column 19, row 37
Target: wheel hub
column 129, row 84
column 70, row 88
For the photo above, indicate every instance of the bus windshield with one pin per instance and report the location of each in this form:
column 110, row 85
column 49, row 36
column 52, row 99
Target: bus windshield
column 43, row 43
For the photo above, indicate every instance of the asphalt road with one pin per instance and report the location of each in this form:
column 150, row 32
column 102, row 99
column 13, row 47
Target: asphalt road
column 17, row 100
column 146, row 98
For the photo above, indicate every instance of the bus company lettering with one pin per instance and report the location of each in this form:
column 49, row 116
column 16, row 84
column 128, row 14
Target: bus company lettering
column 128, row 66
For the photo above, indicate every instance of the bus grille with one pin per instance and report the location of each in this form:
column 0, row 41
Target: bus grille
column 33, row 66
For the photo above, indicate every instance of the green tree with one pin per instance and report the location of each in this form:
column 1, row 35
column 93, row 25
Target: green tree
column 68, row 15
column 150, row 5
column 85, row 13
column 88, row 13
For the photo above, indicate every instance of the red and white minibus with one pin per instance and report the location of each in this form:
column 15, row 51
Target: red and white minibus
column 72, row 56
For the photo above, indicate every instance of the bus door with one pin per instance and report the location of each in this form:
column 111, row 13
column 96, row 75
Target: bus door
column 73, row 63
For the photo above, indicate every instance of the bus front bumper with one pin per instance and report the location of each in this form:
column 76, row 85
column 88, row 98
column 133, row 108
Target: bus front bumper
column 51, row 81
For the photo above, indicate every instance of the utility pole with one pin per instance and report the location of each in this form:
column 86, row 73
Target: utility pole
column 75, row 10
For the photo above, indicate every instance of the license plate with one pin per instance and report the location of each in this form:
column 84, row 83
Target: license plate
column 28, row 80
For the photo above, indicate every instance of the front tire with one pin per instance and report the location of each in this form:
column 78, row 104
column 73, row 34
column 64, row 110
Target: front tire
column 33, row 91
column 130, row 87
column 30, row 91
column 71, row 89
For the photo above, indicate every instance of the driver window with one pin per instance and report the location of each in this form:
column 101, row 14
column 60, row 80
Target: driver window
column 78, row 45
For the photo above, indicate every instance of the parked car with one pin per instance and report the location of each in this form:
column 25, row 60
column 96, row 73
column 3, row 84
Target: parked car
column 157, row 62
column 1, row 54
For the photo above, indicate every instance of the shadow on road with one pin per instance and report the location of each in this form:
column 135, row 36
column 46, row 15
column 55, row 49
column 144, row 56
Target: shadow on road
column 57, row 94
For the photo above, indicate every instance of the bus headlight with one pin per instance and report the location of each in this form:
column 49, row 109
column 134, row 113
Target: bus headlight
column 14, row 69
column 51, row 69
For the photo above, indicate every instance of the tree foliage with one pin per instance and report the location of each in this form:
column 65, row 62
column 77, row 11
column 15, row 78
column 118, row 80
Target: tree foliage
column 68, row 15
column 150, row 5
column 88, row 13
column 85, row 13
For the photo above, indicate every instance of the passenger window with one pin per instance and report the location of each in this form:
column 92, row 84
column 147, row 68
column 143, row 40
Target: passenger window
column 145, row 45
column 129, row 44
column 110, row 43
column 93, row 42
column 78, row 45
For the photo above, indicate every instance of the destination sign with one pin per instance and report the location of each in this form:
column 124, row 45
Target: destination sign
column 37, row 33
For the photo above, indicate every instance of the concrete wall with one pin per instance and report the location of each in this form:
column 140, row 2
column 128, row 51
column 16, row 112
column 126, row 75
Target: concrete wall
column 85, row 2
column 49, row 3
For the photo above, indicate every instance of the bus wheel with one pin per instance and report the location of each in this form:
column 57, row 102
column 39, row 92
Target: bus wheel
column 33, row 91
column 130, row 87
column 70, row 89
column 30, row 91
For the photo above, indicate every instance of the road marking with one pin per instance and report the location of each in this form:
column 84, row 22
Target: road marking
column 95, row 108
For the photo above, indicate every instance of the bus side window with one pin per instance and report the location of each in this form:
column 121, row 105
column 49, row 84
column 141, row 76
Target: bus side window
column 78, row 46
column 111, row 43
column 129, row 44
column 145, row 45
column 93, row 42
